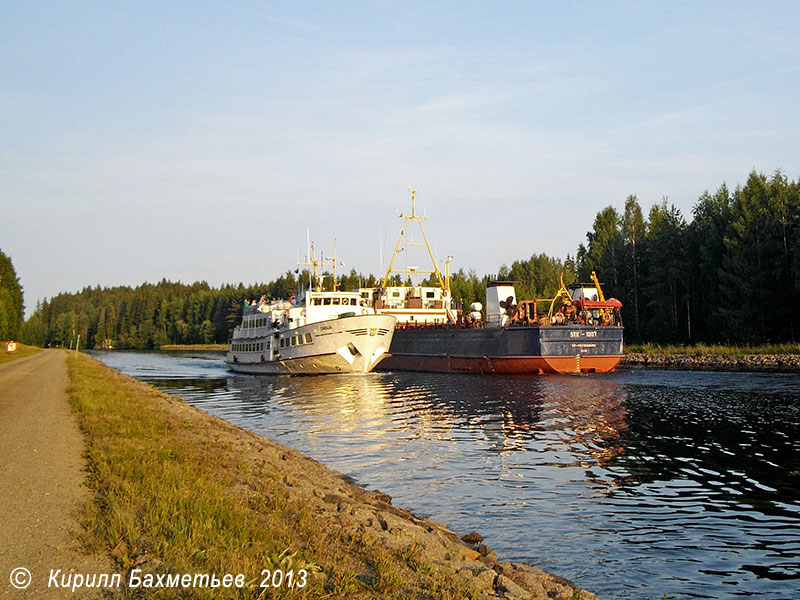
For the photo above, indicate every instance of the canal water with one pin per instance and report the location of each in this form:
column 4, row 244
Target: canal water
column 636, row 484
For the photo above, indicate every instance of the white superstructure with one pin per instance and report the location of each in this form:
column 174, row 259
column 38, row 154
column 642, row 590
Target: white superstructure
column 325, row 332
column 411, row 304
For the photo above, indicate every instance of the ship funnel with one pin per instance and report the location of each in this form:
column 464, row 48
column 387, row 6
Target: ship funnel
column 501, row 301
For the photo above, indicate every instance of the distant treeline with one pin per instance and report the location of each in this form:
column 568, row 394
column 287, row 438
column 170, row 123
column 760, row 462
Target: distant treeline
column 152, row 315
column 731, row 274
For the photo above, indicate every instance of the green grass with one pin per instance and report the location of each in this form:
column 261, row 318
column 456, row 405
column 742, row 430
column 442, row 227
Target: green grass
column 22, row 352
column 387, row 575
column 165, row 496
column 173, row 492
column 710, row 349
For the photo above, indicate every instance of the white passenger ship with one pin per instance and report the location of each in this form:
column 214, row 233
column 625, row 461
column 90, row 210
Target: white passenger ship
column 324, row 332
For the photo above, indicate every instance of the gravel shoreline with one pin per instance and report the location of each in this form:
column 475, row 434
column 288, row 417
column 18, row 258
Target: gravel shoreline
column 782, row 363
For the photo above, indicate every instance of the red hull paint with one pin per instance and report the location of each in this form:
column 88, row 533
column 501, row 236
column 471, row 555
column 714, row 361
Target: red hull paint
column 511, row 365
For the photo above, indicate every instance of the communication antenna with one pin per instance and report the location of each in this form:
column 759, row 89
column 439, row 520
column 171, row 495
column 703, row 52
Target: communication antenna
column 333, row 261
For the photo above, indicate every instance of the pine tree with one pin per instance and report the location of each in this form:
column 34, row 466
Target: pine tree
column 665, row 284
column 634, row 234
column 604, row 252
column 11, row 301
column 752, row 265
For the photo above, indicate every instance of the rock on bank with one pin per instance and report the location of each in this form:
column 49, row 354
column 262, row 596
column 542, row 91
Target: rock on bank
column 748, row 362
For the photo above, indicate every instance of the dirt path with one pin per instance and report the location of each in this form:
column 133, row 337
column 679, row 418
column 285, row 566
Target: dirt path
column 41, row 476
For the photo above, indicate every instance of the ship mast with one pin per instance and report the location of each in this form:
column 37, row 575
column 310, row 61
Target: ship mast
column 333, row 260
column 313, row 262
column 401, row 245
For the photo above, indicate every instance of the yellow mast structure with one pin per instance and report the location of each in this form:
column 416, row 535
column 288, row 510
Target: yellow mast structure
column 447, row 273
column 315, row 264
column 401, row 245
column 333, row 259
column 562, row 293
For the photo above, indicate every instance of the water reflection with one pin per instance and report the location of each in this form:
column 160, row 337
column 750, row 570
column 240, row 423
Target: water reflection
column 635, row 485
column 578, row 420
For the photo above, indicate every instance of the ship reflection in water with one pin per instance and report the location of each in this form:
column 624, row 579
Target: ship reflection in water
column 635, row 484
column 385, row 411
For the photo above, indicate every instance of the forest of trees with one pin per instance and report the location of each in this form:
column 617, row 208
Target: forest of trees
column 147, row 316
column 11, row 306
column 731, row 274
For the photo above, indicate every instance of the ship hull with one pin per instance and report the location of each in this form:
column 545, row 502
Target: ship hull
column 506, row 350
column 317, row 364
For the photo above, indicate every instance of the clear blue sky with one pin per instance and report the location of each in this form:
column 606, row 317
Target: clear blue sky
column 199, row 140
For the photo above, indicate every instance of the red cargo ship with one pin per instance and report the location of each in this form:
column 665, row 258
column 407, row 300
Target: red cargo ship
column 577, row 331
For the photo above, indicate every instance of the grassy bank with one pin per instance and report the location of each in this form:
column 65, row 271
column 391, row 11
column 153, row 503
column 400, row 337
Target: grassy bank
column 178, row 491
column 214, row 347
column 713, row 349
column 22, row 352
column 172, row 495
